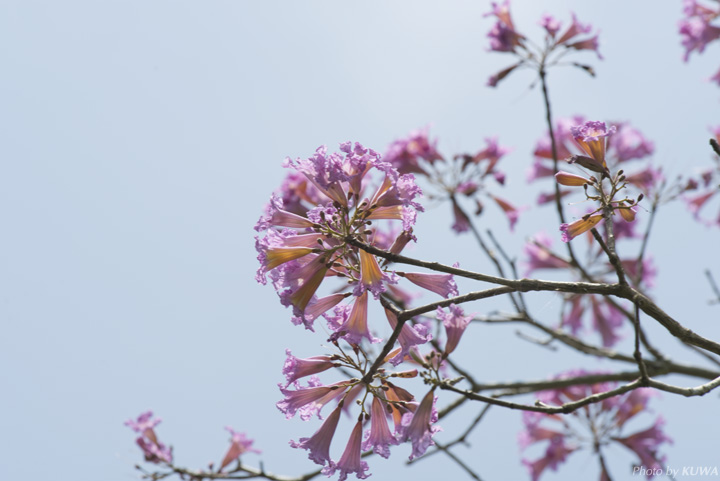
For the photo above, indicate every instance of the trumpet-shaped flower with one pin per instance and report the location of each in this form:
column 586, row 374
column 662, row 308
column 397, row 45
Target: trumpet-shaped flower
column 590, row 136
column 555, row 454
column 443, row 284
column 405, row 154
column 318, row 444
column 410, row 336
column 352, row 322
column 239, row 444
column 580, row 226
column 540, row 255
column 646, row 443
column 418, row 427
column 571, row 180
column 455, row 322
column 379, row 438
column 153, row 450
column 309, row 400
column 295, row 368
column 350, row 461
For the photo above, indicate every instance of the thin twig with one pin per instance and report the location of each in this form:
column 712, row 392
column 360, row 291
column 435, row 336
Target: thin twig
column 544, row 408
column 637, row 354
column 713, row 286
column 612, row 256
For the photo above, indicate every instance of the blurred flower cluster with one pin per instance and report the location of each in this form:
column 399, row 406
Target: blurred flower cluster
column 593, row 427
column 157, row 453
column 697, row 29
column 459, row 179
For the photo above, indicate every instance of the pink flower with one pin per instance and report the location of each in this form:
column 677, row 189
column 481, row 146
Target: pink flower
column 575, row 29
column 539, row 256
column 350, row 461
column 649, row 272
column 571, row 180
column 550, row 24
column 697, row 202
column 629, row 143
column 580, row 226
column 379, row 438
column 647, row 179
column 533, row 433
column 153, row 450
column 239, row 444
column 606, row 320
column 144, row 424
column 443, row 284
column 309, row 400
column 715, row 78
column 455, row 322
column 493, row 152
column 318, row 444
column 295, row 368
column 405, row 154
column 696, row 33
column 555, row 454
column 353, row 325
column 410, row 336
column 462, row 222
column 417, row 427
column 631, row 404
column 590, row 136
column 510, row 210
column 587, row 44
column 595, row 425
column 504, row 38
column 645, row 444
column 573, row 318
column 371, row 276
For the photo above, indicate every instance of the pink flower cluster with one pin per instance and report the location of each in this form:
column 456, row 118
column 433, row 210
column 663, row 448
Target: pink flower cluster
column 157, row 453
column 597, row 312
column 413, row 422
column 323, row 205
column 464, row 176
column 154, row 451
column 622, row 143
column 328, row 205
column 504, row 37
column 696, row 29
column 592, row 427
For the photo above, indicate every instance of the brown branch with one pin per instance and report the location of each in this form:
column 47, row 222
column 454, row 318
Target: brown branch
column 637, row 354
column 611, row 254
column 247, row 473
column 544, row 408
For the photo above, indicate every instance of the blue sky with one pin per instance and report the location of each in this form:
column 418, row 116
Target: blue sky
column 141, row 140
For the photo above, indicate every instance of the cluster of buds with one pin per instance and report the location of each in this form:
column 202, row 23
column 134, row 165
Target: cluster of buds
column 590, row 136
column 504, row 37
column 593, row 427
column 697, row 30
column 464, row 176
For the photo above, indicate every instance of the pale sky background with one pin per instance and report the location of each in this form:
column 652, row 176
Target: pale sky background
column 140, row 140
